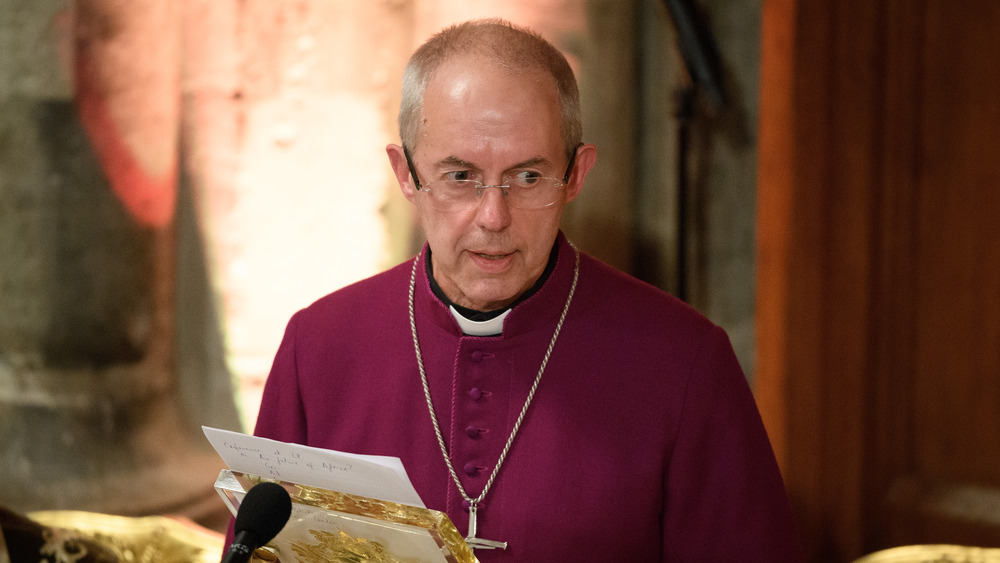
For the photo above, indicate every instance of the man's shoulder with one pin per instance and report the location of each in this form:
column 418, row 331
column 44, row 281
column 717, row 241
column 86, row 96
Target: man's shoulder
column 620, row 292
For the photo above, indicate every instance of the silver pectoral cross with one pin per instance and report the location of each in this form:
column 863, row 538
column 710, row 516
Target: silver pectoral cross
column 479, row 543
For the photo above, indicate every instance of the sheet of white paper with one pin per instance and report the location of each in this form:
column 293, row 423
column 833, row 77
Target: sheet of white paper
column 379, row 477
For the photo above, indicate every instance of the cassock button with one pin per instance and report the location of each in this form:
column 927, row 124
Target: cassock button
column 476, row 356
column 475, row 393
column 472, row 432
column 471, row 469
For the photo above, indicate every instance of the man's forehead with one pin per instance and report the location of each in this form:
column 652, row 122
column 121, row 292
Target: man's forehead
column 480, row 85
column 477, row 114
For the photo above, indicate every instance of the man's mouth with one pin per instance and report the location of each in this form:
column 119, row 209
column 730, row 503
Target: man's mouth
column 491, row 256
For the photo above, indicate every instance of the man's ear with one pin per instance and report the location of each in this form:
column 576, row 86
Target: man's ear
column 397, row 159
column 586, row 157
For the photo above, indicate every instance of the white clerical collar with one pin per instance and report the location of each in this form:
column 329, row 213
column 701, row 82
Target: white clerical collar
column 491, row 327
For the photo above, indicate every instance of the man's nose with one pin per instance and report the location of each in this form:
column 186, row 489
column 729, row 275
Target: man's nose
column 493, row 212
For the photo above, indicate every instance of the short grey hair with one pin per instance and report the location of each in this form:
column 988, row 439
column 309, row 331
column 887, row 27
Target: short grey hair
column 514, row 48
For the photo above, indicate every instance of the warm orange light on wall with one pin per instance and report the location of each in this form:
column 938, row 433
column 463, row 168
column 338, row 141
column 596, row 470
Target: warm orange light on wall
column 288, row 110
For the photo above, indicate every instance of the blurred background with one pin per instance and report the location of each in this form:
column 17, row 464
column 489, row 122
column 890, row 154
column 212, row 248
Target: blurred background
column 177, row 177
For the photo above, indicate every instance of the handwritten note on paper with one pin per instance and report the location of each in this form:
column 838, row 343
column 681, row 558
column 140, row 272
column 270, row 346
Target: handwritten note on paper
column 379, row 477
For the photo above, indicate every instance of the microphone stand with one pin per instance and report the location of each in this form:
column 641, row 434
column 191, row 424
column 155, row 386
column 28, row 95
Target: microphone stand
column 697, row 51
column 700, row 74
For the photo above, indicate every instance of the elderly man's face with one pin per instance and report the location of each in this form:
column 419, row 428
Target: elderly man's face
column 490, row 122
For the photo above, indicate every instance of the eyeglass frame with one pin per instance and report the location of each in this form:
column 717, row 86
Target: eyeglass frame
column 420, row 186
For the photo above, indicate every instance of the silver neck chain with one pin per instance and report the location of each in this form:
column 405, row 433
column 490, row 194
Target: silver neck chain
column 527, row 402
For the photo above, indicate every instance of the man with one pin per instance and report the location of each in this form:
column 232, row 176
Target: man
column 536, row 395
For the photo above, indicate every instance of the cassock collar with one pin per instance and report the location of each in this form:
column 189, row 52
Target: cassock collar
column 490, row 327
column 486, row 323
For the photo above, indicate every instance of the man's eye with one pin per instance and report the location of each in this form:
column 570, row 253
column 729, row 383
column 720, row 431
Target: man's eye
column 525, row 178
column 459, row 176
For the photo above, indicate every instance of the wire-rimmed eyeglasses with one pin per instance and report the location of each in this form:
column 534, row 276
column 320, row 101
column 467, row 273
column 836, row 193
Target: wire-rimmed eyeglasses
column 461, row 189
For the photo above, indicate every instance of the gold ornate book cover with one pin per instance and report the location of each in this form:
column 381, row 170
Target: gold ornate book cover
column 331, row 526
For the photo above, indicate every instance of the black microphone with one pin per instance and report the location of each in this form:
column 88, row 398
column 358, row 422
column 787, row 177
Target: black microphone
column 262, row 514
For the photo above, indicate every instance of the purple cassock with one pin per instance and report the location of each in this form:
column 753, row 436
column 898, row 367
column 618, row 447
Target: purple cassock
column 643, row 442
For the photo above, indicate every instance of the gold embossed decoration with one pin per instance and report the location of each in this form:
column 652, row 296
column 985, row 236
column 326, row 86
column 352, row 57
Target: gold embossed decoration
column 935, row 553
column 148, row 539
column 62, row 546
column 333, row 526
column 331, row 546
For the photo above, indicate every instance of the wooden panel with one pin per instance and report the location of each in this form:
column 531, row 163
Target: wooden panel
column 959, row 245
column 879, row 269
column 893, row 362
column 815, row 204
column 950, row 489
